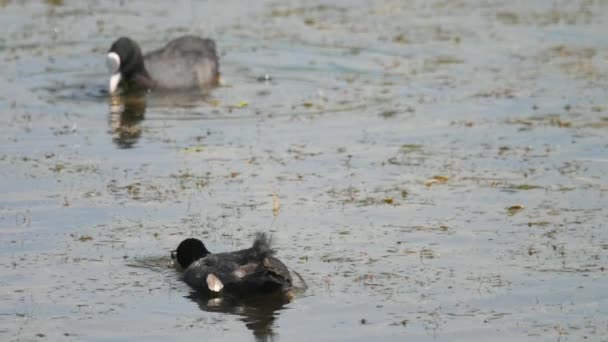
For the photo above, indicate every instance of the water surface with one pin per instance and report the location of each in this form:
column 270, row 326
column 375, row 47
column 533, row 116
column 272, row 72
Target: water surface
column 435, row 170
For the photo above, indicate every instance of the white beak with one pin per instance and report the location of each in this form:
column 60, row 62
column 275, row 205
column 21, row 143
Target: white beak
column 113, row 64
column 114, row 80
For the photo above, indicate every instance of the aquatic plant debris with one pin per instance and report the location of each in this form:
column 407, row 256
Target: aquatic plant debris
column 514, row 209
column 436, row 180
column 193, row 149
column 276, row 205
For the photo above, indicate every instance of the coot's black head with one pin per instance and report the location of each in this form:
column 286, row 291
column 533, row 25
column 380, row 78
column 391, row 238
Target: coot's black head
column 189, row 251
column 124, row 60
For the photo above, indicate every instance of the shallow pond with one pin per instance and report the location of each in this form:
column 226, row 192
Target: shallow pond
column 435, row 170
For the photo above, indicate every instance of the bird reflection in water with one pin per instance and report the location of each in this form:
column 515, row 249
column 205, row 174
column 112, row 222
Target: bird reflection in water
column 126, row 112
column 257, row 312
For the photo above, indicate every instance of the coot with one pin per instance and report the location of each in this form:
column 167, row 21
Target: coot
column 187, row 62
column 248, row 271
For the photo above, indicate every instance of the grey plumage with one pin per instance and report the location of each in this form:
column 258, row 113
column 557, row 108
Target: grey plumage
column 188, row 62
column 262, row 246
column 185, row 62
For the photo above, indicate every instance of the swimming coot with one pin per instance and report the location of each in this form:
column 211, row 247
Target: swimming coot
column 187, row 62
column 249, row 271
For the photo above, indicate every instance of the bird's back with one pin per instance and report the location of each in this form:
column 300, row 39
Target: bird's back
column 249, row 270
column 185, row 62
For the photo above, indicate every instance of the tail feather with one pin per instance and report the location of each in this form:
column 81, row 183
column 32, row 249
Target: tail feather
column 262, row 246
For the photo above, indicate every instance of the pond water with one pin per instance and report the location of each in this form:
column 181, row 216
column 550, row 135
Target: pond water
column 435, row 170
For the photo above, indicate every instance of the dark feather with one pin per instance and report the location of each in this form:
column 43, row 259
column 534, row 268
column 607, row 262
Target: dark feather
column 262, row 247
column 245, row 271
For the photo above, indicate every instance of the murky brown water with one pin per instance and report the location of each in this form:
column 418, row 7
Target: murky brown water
column 435, row 170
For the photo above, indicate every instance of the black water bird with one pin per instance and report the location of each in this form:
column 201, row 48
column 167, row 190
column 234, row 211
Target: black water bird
column 188, row 62
column 244, row 272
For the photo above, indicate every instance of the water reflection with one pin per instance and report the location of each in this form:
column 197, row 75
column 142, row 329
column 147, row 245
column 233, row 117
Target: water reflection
column 126, row 112
column 258, row 312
